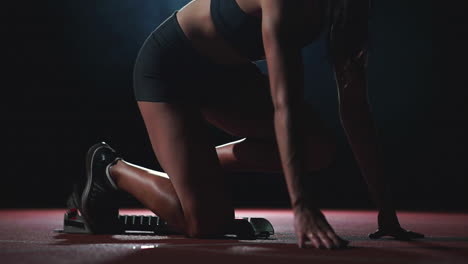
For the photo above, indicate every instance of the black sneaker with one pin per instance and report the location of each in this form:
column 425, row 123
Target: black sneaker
column 99, row 206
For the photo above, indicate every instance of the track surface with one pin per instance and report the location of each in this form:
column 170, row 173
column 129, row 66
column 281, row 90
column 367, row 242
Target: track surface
column 26, row 236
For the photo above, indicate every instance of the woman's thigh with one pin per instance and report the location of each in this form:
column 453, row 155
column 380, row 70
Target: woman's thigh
column 252, row 114
column 179, row 137
column 252, row 117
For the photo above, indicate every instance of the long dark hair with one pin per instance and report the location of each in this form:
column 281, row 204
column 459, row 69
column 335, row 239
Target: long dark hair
column 348, row 34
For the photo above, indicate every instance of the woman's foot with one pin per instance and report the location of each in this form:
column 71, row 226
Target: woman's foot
column 99, row 207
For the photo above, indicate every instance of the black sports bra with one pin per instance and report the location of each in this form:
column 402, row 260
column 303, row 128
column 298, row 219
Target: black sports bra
column 241, row 30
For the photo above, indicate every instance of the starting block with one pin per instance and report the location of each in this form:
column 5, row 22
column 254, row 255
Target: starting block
column 246, row 228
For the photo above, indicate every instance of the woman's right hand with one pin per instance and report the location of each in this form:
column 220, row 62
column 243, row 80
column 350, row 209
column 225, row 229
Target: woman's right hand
column 310, row 225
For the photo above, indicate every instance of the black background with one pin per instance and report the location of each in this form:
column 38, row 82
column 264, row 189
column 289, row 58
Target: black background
column 66, row 85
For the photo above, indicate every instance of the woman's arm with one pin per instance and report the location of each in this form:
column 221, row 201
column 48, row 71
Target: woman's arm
column 284, row 60
column 357, row 121
column 285, row 68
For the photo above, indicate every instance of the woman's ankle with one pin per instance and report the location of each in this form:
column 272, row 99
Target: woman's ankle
column 112, row 172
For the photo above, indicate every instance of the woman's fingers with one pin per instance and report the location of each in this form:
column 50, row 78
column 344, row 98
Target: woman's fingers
column 415, row 235
column 314, row 240
column 400, row 234
column 406, row 235
column 311, row 225
column 377, row 234
column 301, row 240
column 321, row 239
column 336, row 239
column 344, row 242
column 325, row 240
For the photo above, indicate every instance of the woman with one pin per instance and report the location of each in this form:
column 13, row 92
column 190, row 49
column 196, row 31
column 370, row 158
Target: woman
column 197, row 67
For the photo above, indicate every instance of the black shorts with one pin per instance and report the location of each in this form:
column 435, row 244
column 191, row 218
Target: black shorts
column 169, row 69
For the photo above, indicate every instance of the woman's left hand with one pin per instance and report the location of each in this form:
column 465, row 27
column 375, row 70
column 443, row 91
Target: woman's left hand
column 389, row 226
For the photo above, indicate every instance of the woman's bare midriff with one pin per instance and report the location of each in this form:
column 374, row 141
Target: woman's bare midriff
column 197, row 24
column 195, row 20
